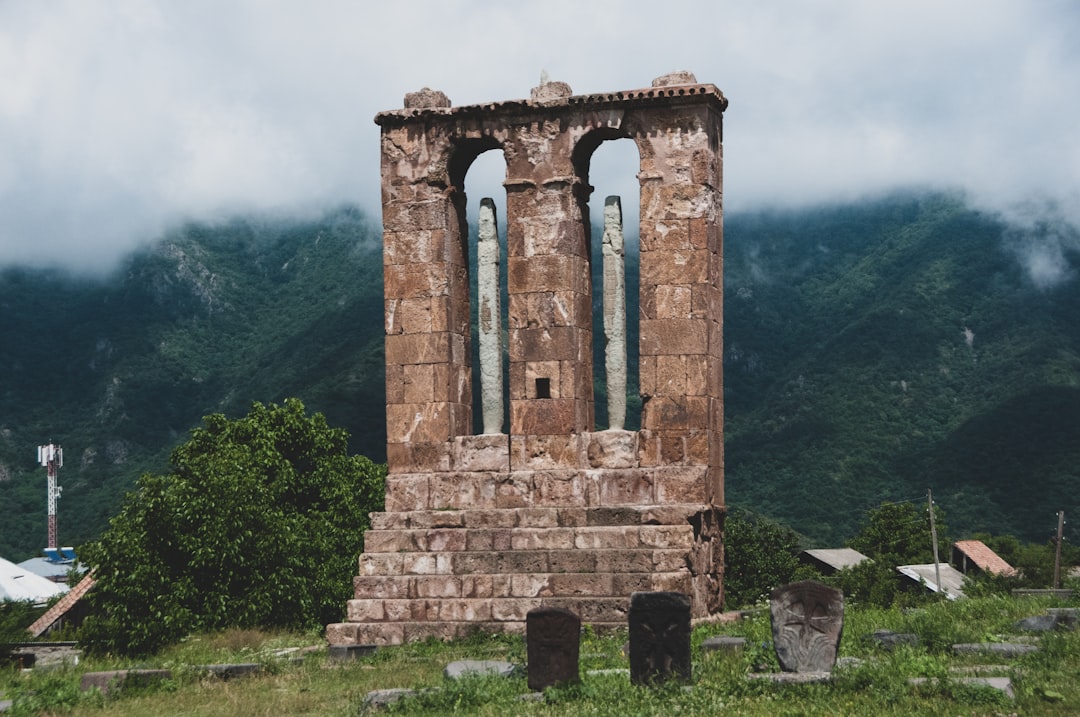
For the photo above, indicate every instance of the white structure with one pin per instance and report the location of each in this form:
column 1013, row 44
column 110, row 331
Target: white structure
column 18, row 583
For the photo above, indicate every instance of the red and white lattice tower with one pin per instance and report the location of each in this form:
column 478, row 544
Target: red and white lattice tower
column 52, row 457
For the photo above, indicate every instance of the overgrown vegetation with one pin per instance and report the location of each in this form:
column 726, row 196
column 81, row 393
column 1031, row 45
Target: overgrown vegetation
column 1045, row 683
column 258, row 525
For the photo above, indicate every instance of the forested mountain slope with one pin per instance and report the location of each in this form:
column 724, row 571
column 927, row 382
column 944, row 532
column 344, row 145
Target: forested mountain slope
column 873, row 350
column 879, row 349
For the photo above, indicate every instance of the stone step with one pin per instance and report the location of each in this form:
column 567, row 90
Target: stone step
column 403, row 593
column 536, row 487
column 397, row 633
column 539, row 517
column 504, row 562
column 600, row 537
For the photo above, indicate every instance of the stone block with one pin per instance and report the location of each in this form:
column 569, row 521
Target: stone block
column 511, row 609
column 530, row 585
column 482, row 453
column 446, row 539
column 680, row 485
column 474, row 562
column 462, row 491
column 372, row 563
column 542, row 539
column 427, row 564
column 382, row 586
column 581, row 584
column 673, row 337
column 606, row 538
column 436, row 586
column 612, row 449
column 538, row 518
column 667, row 536
column 573, row 561
column 625, row 487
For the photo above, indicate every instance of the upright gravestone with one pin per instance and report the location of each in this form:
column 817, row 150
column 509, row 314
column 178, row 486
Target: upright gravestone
column 807, row 621
column 659, row 637
column 553, row 643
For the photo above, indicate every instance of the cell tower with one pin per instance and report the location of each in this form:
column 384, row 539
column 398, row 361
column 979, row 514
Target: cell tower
column 52, row 457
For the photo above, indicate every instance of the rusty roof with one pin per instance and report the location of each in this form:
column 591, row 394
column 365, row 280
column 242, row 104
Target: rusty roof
column 979, row 553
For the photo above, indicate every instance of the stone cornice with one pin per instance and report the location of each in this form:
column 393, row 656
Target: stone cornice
column 665, row 96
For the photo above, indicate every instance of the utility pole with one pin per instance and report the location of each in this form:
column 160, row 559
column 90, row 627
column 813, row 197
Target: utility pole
column 1057, row 550
column 933, row 538
column 52, row 457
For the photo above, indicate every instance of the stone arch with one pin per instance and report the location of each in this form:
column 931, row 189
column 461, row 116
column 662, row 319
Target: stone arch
column 613, row 280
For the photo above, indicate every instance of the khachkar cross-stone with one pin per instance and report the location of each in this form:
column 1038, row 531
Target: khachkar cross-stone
column 485, row 521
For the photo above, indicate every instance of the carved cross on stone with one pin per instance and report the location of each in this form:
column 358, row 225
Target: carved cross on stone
column 659, row 637
column 807, row 621
column 553, row 642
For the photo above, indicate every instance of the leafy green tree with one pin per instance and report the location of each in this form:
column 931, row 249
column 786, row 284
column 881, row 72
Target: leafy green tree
column 759, row 555
column 258, row 524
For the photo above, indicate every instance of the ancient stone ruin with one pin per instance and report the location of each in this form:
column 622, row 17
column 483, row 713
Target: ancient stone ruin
column 484, row 523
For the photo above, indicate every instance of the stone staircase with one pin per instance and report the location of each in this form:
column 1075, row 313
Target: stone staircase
column 446, row 573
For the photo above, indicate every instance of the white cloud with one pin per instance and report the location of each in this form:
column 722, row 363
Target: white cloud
column 118, row 118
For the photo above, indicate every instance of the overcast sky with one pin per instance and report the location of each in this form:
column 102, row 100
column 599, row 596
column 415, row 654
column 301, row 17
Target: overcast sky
column 119, row 118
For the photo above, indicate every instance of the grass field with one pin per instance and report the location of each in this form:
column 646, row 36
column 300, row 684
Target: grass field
column 1045, row 683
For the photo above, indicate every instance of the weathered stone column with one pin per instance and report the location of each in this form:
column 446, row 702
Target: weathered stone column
column 489, row 316
column 614, row 312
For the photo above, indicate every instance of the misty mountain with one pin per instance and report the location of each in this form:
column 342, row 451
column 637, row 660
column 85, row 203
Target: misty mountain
column 872, row 350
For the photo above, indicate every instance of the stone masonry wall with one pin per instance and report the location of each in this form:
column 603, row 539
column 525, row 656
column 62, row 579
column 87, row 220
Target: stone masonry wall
column 478, row 529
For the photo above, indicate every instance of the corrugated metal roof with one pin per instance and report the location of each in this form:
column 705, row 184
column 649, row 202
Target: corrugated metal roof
column 979, row 553
column 952, row 580
column 837, row 558
column 17, row 583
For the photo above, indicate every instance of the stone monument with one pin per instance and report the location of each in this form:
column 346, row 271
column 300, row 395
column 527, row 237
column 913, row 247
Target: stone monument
column 807, row 622
column 553, row 647
column 484, row 524
column 659, row 637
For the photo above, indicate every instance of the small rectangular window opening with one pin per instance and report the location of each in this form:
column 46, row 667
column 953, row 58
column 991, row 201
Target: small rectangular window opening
column 543, row 388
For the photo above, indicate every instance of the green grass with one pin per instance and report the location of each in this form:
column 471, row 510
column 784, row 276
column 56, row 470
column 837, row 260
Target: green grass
column 1046, row 683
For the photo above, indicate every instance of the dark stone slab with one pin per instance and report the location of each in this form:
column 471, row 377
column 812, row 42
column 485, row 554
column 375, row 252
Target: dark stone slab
column 1001, row 649
column 553, row 645
column 228, row 671
column 889, row 640
column 379, row 699
column 724, row 644
column 659, row 637
column 461, row 668
column 114, row 680
column 807, row 622
column 341, row 653
column 793, row 678
column 1002, row 684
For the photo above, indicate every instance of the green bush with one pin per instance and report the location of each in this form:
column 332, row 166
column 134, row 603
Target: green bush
column 258, row 525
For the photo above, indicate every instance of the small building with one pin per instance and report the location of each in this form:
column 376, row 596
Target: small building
column 972, row 557
column 56, row 571
column 17, row 583
column 952, row 580
column 829, row 560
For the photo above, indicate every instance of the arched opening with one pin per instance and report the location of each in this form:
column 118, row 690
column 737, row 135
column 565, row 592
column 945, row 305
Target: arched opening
column 608, row 162
column 482, row 179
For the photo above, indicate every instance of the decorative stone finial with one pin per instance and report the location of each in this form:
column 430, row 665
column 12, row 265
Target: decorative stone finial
column 426, row 98
column 548, row 91
column 681, row 77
